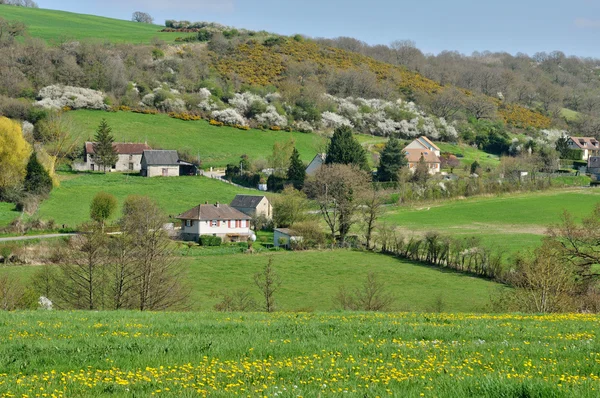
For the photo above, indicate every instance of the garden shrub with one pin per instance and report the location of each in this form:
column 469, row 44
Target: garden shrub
column 209, row 240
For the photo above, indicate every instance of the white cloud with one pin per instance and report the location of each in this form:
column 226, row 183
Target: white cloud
column 586, row 23
column 174, row 5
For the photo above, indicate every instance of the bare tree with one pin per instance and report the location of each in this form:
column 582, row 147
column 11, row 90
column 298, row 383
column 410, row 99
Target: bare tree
column 240, row 300
column 337, row 189
column 142, row 17
column 123, row 271
column 371, row 209
column 444, row 104
column 372, row 295
column 268, row 282
column 11, row 292
column 480, row 107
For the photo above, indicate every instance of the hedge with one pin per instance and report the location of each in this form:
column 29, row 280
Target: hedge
column 209, row 240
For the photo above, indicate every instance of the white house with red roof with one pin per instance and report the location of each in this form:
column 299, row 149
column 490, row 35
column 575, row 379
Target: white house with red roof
column 589, row 146
column 423, row 148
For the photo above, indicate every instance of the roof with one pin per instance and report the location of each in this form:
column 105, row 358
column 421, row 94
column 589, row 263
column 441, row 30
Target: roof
column 246, row 201
column 122, row 148
column 286, row 231
column 414, row 155
column 585, row 142
column 209, row 212
column 428, row 141
column 161, row 157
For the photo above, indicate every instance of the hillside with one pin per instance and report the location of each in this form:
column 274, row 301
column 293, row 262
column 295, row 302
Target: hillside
column 60, row 26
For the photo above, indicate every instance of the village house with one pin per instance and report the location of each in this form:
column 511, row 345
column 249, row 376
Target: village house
column 589, row 146
column 424, row 143
column 283, row 237
column 253, row 205
column 423, row 148
column 161, row 163
column 130, row 157
column 220, row 220
column 315, row 164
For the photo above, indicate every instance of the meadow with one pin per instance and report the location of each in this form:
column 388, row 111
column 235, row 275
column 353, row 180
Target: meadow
column 7, row 213
column 68, row 354
column 70, row 202
column 217, row 146
column 467, row 154
column 508, row 222
column 58, row 26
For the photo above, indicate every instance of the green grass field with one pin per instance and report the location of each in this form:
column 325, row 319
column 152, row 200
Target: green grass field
column 217, row 146
column 7, row 213
column 124, row 354
column 509, row 222
column 69, row 203
column 469, row 154
column 57, row 26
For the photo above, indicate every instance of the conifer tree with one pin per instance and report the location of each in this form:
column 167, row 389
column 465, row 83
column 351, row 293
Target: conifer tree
column 37, row 179
column 392, row 159
column 104, row 152
column 344, row 149
column 297, row 171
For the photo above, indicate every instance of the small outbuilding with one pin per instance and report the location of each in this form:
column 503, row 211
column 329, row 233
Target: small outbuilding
column 160, row 163
column 282, row 237
column 315, row 164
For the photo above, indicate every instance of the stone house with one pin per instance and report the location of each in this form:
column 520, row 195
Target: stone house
column 160, row 163
column 130, row 157
column 253, row 205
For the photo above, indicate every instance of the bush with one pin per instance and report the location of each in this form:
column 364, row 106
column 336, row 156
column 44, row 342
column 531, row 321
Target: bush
column 209, row 240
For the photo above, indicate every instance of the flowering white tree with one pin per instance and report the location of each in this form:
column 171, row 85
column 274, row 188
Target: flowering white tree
column 271, row 118
column 229, row 116
column 333, row 120
column 57, row 96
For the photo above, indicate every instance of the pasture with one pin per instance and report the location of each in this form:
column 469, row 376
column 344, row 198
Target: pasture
column 58, row 26
column 70, row 202
column 124, row 354
column 7, row 213
column 217, row 146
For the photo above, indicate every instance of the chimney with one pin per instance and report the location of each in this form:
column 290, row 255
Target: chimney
column 206, row 202
column 217, row 204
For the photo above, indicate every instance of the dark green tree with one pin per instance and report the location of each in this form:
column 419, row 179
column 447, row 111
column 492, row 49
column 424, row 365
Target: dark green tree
column 562, row 147
column 102, row 207
column 344, row 149
column 297, row 171
column 474, row 167
column 37, row 179
column 392, row 160
column 421, row 174
column 104, row 152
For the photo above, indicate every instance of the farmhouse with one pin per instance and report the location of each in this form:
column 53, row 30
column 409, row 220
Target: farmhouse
column 423, row 148
column 253, row 206
column 130, row 157
column 424, row 143
column 160, row 163
column 315, row 164
column 283, row 237
column 220, row 220
column 589, row 146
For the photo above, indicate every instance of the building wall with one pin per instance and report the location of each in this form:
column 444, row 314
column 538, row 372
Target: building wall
column 277, row 235
column 156, row 171
column 222, row 229
column 418, row 145
column 434, row 168
column 264, row 208
column 122, row 163
column 314, row 166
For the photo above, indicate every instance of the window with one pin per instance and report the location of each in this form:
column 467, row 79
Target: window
column 189, row 223
column 214, row 223
column 130, row 166
column 165, row 172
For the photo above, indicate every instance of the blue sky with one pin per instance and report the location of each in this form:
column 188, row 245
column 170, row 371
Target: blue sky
column 464, row 25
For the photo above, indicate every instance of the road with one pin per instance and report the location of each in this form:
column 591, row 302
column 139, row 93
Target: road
column 30, row 237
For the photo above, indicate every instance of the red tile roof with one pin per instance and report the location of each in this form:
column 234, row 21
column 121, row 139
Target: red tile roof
column 213, row 212
column 414, row 155
column 585, row 142
column 122, row 148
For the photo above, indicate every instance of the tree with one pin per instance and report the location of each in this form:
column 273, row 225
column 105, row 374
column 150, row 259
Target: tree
column 449, row 161
column 297, row 171
column 480, row 107
column 392, row 160
column 344, row 149
column 421, row 174
column 371, row 209
column 102, row 207
column 280, row 159
column 445, row 104
column 14, row 153
column 371, row 296
column 37, row 179
column 104, row 151
column 562, row 146
column 337, row 189
column 475, row 167
column 268, row 282
column 142, row 17
column 290, row 207
column 11, row 29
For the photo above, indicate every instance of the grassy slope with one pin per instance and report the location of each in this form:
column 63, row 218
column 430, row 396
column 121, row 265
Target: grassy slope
column 310, row 280
column 69, row 203
column 217, row 146
column 60, row 25
column 7, row 213
column 509, row 222
column 124, row 354
column 469, row 154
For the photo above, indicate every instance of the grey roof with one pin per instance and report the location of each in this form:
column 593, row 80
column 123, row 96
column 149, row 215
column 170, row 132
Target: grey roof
column 246, row 201
column 286, row 231
column 161, row 157
column 213, row 212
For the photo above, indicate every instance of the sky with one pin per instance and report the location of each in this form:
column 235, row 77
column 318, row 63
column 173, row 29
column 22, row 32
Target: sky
column 526, row 26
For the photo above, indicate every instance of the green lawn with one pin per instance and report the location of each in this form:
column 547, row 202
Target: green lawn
column 7, row 213
column 217, row 146
column 69, row 203
column 509, row 222
column 58, row 26
column 467, row 154
column 569, row 114
column 126, row 354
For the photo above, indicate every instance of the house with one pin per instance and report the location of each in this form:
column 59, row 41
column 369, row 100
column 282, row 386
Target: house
column 315, row 164
column 589, row 146
column 283, row 237
column 253, row 205
column 414, row 157
column 424, row 143
column 130, row 157
column 220, row 220
column 160, row 163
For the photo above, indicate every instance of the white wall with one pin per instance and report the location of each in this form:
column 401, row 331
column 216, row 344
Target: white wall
column 156, row 171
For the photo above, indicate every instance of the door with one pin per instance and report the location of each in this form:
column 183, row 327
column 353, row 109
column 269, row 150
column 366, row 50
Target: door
column 165, row 172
